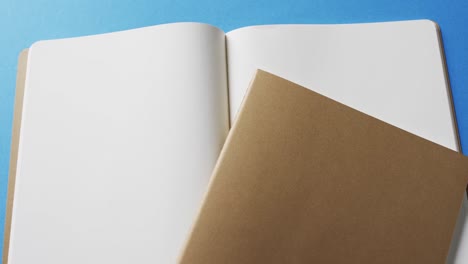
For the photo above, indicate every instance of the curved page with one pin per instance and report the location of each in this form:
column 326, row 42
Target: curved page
column 393, row 71
column 119, row 136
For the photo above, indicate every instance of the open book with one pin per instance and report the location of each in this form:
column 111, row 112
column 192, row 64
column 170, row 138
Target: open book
column 120, row 131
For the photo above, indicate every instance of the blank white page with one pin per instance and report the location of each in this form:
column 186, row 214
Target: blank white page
column 119, row 136
column 393, row 71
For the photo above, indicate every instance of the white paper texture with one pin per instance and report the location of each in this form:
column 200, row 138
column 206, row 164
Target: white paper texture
column 120, row 133
column 392, row 71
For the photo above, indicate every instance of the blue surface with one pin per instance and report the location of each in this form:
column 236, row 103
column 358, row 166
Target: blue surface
column 24, row 22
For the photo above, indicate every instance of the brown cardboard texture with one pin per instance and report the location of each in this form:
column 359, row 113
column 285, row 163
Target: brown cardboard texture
column 18, row 109
column 304, row 179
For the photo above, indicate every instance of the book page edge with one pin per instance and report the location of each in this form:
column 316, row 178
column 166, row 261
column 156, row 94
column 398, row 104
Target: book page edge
column 18, row 109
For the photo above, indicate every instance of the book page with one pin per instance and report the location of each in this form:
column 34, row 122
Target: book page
column 393, row 71
column 119, row 135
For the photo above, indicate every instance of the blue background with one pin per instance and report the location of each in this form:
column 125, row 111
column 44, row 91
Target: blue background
column 24, row 22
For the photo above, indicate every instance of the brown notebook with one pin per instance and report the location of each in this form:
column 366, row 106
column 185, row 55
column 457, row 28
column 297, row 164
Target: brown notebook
column 304, row 179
